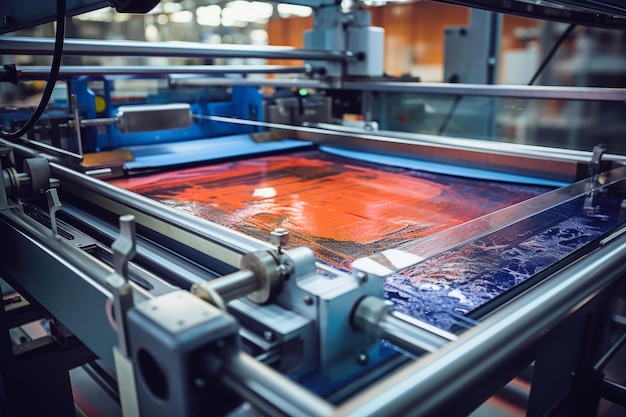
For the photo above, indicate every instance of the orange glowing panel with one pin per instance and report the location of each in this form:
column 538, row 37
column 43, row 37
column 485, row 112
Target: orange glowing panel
column 341, row 208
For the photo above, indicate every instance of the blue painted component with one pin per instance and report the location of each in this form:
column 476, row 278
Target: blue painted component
column 87, row 110
column 167, row 154
column 243, row 102
column 438, row 168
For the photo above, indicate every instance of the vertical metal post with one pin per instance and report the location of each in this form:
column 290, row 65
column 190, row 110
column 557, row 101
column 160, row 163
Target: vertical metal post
column 124, row 249
column 79, row 138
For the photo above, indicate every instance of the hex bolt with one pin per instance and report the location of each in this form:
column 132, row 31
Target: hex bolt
column 284, row 271
column 308, row 300
column 268, row 336
column 361, row 276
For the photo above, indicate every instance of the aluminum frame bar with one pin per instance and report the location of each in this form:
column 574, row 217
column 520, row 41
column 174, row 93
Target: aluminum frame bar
column 493, row 90
column 273, row 393
column 217, row 241
column 40, row 72
column 45, row 46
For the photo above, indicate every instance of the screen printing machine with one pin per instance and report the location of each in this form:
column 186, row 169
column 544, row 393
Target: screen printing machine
column 203, row 248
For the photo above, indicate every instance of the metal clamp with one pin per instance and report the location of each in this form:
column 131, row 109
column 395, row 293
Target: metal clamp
column 589, row 204
column 596, row 157
column 124, row 249
column 54, row 205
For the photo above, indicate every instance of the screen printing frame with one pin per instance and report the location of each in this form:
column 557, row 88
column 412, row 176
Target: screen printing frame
column 602, row 262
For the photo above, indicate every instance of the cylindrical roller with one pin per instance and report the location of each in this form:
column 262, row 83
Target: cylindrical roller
column 263, row 265
column 273, row 393
column 376, row 317
column 258, row 278
column 227, row 288
column 145, row 118
column 39, row 171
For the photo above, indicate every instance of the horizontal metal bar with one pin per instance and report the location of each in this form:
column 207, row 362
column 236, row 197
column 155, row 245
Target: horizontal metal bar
column 214, row 240
column 491, row 90
column 257, row 82
column 45, row 46
column 39, row 72
column 443, row 377
column 496, row 156
column 270, row 391
column 227, row 288
column 375, row 317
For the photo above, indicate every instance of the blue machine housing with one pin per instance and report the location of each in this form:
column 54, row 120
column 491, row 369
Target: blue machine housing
column 238, row 102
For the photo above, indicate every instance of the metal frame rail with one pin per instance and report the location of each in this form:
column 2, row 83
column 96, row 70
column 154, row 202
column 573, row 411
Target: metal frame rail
column 44, row 46
column 420, row 388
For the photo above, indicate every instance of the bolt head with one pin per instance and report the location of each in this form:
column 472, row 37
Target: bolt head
column 268, row 336
column 308, row 300
column 279, row 237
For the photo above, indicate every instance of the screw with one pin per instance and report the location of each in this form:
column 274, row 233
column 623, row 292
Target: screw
column 361, row 276
column 199, row 382
column 279, row 237
column 284, row 270
column 308, row 300
column 362, row 358
column 269, row 336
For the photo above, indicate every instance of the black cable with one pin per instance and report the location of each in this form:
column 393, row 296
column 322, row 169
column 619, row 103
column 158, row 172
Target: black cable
column 550, row 54
column 54, row 73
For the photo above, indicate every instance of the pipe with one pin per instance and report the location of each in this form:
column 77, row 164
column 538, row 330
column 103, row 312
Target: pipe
column 270, row 391
column 44, row 46
column 512, row 91
column 38, row 72
column 376, row 317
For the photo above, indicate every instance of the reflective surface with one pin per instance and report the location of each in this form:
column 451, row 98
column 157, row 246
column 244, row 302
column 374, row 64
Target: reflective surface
column 345, row 209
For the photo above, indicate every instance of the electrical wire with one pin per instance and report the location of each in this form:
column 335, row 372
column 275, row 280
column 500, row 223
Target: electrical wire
column 54, row 73
column 552, row 52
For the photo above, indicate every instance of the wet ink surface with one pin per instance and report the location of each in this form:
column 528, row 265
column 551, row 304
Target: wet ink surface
column 345, row 209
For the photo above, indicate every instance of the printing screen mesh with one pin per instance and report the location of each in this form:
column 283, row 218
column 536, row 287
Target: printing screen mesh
column 341, row 208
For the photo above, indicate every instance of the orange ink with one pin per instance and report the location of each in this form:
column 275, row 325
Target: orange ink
column 341, row 208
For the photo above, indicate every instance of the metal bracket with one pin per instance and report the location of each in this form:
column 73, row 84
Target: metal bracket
column 594, row 168
column 596, row 157
column 54, row 205
column 124, row 249
column 76, row 119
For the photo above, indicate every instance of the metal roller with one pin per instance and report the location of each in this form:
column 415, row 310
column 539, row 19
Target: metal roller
column 147, row 118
